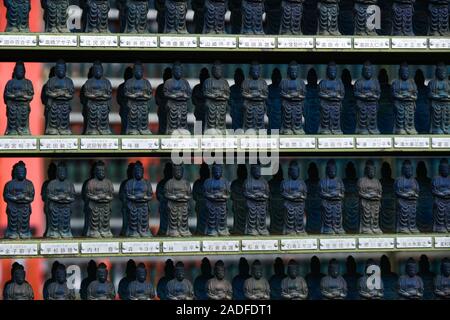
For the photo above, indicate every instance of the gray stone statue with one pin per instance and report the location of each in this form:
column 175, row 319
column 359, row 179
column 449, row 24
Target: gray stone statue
column 214, row 16
column 55, row 15
column 141, row 289
column 17, row 97
column 440, row 188
column 95, row 13
column 178, row 193
column 407, row 192
column 255, row 92
column 180, row 288
column 293, row 287
column 219, row 288
column 216, row 92
column 370, row 191
column 410, row 285
column 404, row 94
column 238, row 200
column 58, row 289
column 439, row 15
column 367, row 93
column 442, row 281
column 361, row 17
column 402, row 17
column 257, row 287
column 134, row 16
column 175, row 16
column 369, row 289
column 98, row 195
column 17, row 15
column 252, row 17
column 18, row 195
column 439, row 96
column 101, row 288
column 59, row 91
column 328, row 17
column 256, row 193
column 333, row 286
column 293, row 92
column 18, row 288
column 331, row 94
column 177, row 91
column 291, row 17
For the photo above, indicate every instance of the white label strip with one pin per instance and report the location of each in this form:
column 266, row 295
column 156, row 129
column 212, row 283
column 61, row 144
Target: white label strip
column 181, row 246
column 411, row 142
column 259, row 143
column 373, row 143
column 50, row 248
column 259, row 245
column 336, row 143
column 440, row 143
column 439, row 43
column 371, row 43
column 18, row 41
column 409, row 43
column 298, row 244
column 183, row 143
column 220, row 246
column 177, row 42
column 297, row 143
column 138, row 42
column 18, row 249
column 219, row 143
column 98, row 41
column 18, row 144
column 57, row 41
column 140, row 247
column 337, row 244
column 414, row 242
column 100, row 247
column 140, row 144
column 99, row 144
column 376, row 243
column 442, row 242
column 256, row 42
column 334, row 43
column 218, row 42
column 58, row 144
column 295, row 42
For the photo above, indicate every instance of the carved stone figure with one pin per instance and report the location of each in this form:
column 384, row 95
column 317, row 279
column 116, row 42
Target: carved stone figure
column 370, row 191
column 17, row 97
column 367, row 93
column 18, row 288
column 214, row 19
column 373, row 292
column 350, row 210
column 291, row 17
column 351, row 277
column 313, row 201
column 18, row 195
column 313, row 279
column 178, row 192
column 239, row 280
column 442, row 281
column 101, row 288
column 439, row 96
column 236, row 102
column 98, row 94
column 175, row 16
column 140, row 289
column 163, row 214
column 98, row 195
column 199, row 99
column 257, row 287
column 252, row 17
column 275, row 280
column 254, row 91
column 55, row 15
column 161, row 102
column 276, row 203
column 331, row 94
column 332, row 194
column 410, row 285
column 200, row 289
column 361, row 16
column 293, row 92
column 95, row 14
column 407, row 192
column 177, row 92
column 402, row 17
column 91, row 276
column 216, row 92
column 169, row 274
column 274, row 101
column 440, row 189
column 328, row 17
column 58, row 289
column 333, row 286
column 238, row 200
column 404, row 94
column 256, row 192
column 52, row 279
column 293, row 287
column 60, row 196
column 17, row 15
column 198, row 6
column 438, row 20
column 134, row 16
column 180, row 288
column 219, row 288
column 124, row 283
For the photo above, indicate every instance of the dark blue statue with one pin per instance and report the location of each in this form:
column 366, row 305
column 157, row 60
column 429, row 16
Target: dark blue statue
column 55, row 15
column 276, row 203
column 122, row 100
column 402, row 18
column 441, row 194
column 293, row 92
column 255, row 93
column 217, row 192
column 276, row 278
column 370, row 192
column 439, row 15
column 257, row 287
column 313, row 279
column 161, row 288
column 95, row 14
column 351, row 277
column 294, row 193
column 442, row 281
column 58, row 289
column 17, row 15
column 293, row 287
column 291, row 17
column 274, row 101
column 175, row 16
column 161, row 102
column 180, row 288
column 388, row 201
column 101, row 288
column 404, row 94
column 238, row 200
column 425, row 201
column 137, row 93
column 313, row 201
column 58, row 93
column 218, row 288
column 367, row 93
column 439, row 96
column 18, row 195
column 389, row 278
column 331, row 94
column 198, row 194
column 350, row 213
column 198, row 98
column 333, row 286
column 236, row 102
column 141, row 289
column 361, row 16
column 124, row 283
column 252, row 17
column 407, row 192
column 18, row 288
column 256, row 192
column 214, row 19
column 134, row 14
column 312, row 103
column 163, row 216
column 328, row 17
column 332, row 194
column 17, row 97
column 200, row 290
column 372, row 291
column 239, row 280
column 410, row 285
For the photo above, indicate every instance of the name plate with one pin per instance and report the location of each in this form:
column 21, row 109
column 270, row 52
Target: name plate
column 100, row 247
column 181, row 143
column 140, row 247
column 140, row 144
column 336, row 143
column 18, row 41
column 371, row 43
column 220, row 246
column 334, row 43
column 259, row 143
column 411, row 142
column 442, row 242
column 218, row 42
column 257, row 42
column 259, row 245
column 336, row 244
column 295, row 43
column 439, row 43
column 414, row 242
column 138, row 42
column 181, row 246
column 98, row 41
column 440, row 143
column 18, row 144
column 219, row 143
column 18, row 249
column 372, row 143
column 409, row 43
column 99, row 144
column 58, row 144
column 57, row 41
column 48, row 248
column 177, row 42
column 376, row 243
column 297, row 143
column 298, row 244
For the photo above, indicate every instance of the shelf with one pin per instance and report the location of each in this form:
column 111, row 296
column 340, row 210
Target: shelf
column 42, row 47
column 234, row 245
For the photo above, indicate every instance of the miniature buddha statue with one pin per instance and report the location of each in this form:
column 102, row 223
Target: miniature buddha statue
column 238, row 200
column 328, row 17
column 439, row 15
column 200, row 288
column 404, row 94
column 95, row 14
column 332, row 194
column 239, row 280
column 440, row 189
column 214, row 17
column 362, row 14
column 252, row 16
column 402, row 17
column 18, row 288
column 369, row 289
column 439, row 97
column 442, row 281
column 17, row 15
column 333, row 286
column 291, row 17
column 293, row 287
column 219, row 288
column 161, row 288
column 407, row 192
column 175, row 16
column 254, row 91
column 58, row 289
column 410, row 285
column 101, row 288
column 257, row 287
column 180, row 288
column 275, row 280
column 134, row 14
column 141, row 289
column 55, row 15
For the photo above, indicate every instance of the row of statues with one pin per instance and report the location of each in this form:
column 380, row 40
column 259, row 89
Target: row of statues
column 283, row 101
column 213, row 284
column 283, row 17
column 318, row 206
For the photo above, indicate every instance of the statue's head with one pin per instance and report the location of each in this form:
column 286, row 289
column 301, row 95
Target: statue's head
column 331, row 169
column 19, row 274
column 102, row 273
column 97, row 70
column 138, row 170
column 179, row 271
column 61, row 274
column 294, row 170
column 386, row 171
column 369, row 169
column 255, row 170
column 178, row 171
column 443, row 168
column 332, row 70
column 276, row 76
column 61, row 171
column 130, row 270
column 255, row 70
column 19, row 70
column 403, row 71
column 445, row 267
column 169, row 268
column 243, row 266
column 441, row 71
column 333, row 268
column 292, row 269
column 167, row 74
column 257, row 270
column 367, row 70
column 241, row 172
column 60, row 69
column 370, row 262
column 141, row 273
column 293, row 70
column 100, row 170
column 204, row 74
column 239, row 76
column 407, row 170
column 217, row 171
column 138, row 71
column 205, row 267
column 168, row 170
column 204, row 171
column 278, row 266
column 219, row 270
column 411, row 267
column 177, row 70
column 217, row 70
column 20, row 171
